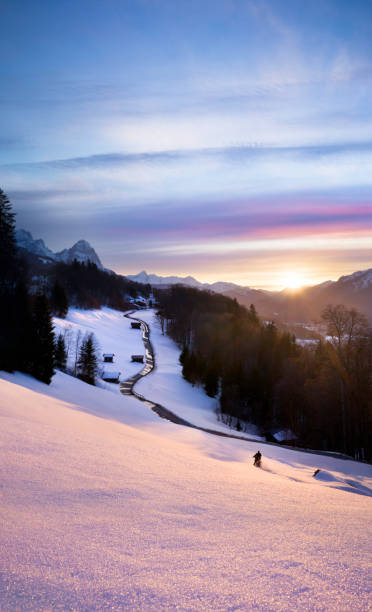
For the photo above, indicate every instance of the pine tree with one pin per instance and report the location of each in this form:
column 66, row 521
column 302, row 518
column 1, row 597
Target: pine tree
column 88, row 361
column 211, row 382
column 60, row 354
column 59, row 302
column 23, row 335
column 43, row 347
column 252, row 315
column 8, row 248
column 8, row 281
column 184, row 355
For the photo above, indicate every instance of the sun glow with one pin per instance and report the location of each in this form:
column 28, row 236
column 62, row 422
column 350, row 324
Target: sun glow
column 292, row 280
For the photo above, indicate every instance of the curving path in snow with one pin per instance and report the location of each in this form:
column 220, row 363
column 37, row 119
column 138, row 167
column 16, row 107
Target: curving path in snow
column 127, row 388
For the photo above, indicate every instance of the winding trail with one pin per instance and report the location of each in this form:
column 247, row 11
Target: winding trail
column 127, row 388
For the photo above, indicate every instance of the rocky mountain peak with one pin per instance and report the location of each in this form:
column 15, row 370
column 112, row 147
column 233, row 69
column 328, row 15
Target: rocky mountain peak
column 82, row 251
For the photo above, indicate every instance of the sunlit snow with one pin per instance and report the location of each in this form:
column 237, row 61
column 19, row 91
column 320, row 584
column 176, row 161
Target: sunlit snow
column 104, row 506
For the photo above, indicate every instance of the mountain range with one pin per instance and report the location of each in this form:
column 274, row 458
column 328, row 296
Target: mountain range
column 304, row 305
column 189, row 281
column 354, row 290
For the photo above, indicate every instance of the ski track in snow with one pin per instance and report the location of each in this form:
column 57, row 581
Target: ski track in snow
column 104, row 506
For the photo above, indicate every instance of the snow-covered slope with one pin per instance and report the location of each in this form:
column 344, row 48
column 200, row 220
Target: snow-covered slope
column 106, row 507
column 166, row 385
column 113, row 334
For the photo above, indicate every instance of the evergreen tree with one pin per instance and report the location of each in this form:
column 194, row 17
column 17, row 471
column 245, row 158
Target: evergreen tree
column 190, row 367
column 23, row 333
column 253, row 316
column 8, row 248
column 88, row 361
column 8, row 281
column 61, row 354
column 43, row 345
column 211, row 382
column 184, row 355
column 59, row 302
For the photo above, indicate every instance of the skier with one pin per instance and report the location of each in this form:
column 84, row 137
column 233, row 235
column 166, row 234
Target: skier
column 257, row 459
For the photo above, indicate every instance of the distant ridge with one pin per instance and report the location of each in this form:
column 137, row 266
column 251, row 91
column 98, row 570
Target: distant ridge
column 190, row 281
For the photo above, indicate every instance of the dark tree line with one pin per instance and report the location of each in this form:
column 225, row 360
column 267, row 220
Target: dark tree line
column 86, row 286
column 26, row 331
column 321, row 392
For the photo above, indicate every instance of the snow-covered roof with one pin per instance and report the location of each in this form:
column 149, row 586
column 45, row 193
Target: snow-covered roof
column 106, row 375
column 108, row 354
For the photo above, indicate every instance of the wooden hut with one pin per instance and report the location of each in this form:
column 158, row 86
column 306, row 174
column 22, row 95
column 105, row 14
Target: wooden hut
column 137, row 358
column 108, row 357
column 113, row 377
column 136, row 325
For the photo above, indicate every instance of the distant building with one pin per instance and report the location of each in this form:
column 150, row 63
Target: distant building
column 108, row 357
column 113, row 377
column 136, row 325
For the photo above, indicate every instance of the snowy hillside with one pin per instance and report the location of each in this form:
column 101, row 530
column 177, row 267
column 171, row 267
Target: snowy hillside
column 112, row 332
column 105, row 506
column 165, row 385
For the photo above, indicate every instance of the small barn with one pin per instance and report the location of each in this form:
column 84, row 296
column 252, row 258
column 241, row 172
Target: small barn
column 137, row 358
column 113, row 377
column 108, row 357
column 136, row 325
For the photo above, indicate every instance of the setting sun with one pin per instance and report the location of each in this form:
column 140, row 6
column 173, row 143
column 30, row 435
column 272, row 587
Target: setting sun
column 292, row 280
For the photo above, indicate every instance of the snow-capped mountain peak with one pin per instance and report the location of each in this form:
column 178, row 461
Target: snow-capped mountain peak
column 37, row 247
column 82, row 251
column 154, row 279
column 359, row 280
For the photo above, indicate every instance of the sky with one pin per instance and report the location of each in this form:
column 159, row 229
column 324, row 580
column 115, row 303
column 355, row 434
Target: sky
column 226, row 139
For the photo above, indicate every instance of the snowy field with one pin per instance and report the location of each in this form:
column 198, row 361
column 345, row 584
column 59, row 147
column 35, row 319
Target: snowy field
column 104, row 506
column 165, row 384
column 113, row 333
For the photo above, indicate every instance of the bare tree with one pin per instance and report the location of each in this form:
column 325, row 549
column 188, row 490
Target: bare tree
column 78, row 341
column 344, row 325
column 350, row 332
column 68, row 336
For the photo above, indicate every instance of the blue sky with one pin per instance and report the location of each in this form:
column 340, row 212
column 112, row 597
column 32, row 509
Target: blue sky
column 231, row 140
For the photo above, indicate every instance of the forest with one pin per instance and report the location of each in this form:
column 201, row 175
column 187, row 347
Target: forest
column 320, row 392
column 86, row 286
